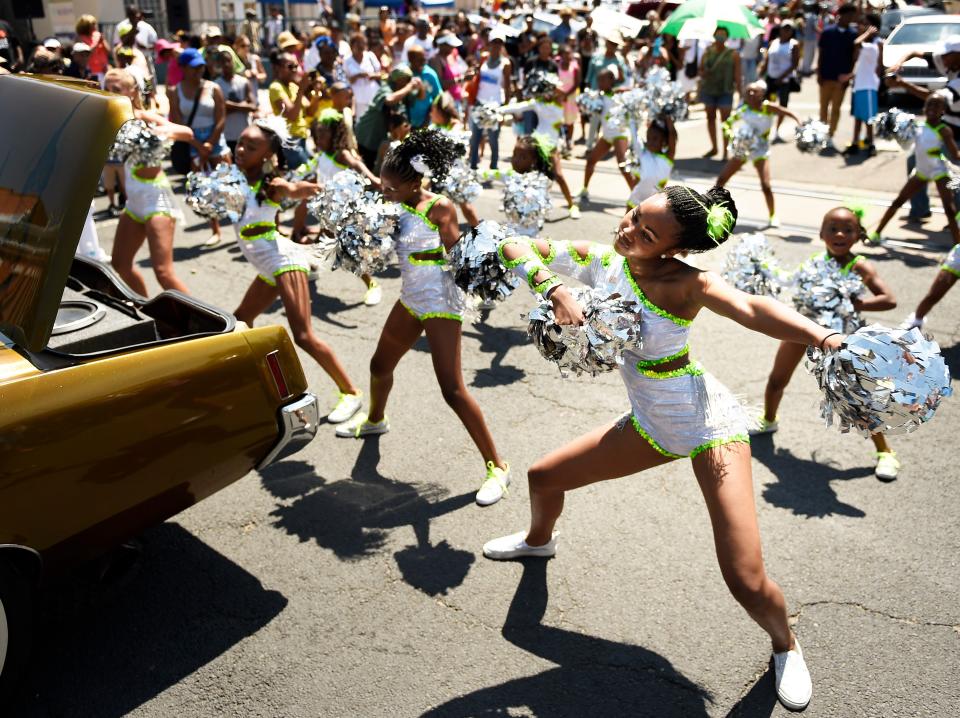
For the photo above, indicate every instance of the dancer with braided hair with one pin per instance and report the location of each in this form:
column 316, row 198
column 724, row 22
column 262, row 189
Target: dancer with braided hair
column 282, row 264
column 677, row 409
column 429, row 301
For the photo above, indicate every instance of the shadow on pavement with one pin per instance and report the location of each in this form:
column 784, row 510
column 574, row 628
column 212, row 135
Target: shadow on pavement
column 759, row 701
column 351, row 518
column 105, row 651
column 803, row 485
column 497, row 341
column 593, row 677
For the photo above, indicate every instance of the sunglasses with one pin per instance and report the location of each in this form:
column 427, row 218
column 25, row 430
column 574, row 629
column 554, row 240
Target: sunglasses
column 291, row 66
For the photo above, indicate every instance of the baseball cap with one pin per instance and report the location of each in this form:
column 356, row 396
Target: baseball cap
column 451, row 40
column 213, row 31
column 80, row 47
column 125, row 28
column 191, row 57
column 400, row 72
column 126, row 52
column 951, row 44
column 52, row 43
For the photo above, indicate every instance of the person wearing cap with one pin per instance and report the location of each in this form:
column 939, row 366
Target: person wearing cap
column 213, row 46
column 562, row 32
column 79, row 59
column 53, row 45
column 371, row 129
column 128, row 41
column 45, row 62
column 203, row 100
column 145, row 39
column 421, row 38
column 418, row 104
column 250, row 28
column 946, row 61
column 494, row 86
column 363, row 70
column 449, row 66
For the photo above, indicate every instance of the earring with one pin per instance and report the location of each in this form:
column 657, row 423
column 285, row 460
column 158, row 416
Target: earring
column 268, row 167
column 663, row 256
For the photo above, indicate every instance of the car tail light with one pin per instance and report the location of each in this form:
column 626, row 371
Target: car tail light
column 273, row 361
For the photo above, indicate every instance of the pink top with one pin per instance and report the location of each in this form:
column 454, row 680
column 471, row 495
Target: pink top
column 174, row 72
column 450, row 72
column 99, row 59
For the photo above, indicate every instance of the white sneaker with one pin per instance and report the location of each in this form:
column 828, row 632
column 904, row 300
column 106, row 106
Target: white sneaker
column 584, row 195
column 762, row 426
column 212, row 241
column 359, row 427
column 888, row 466
column 794, row 688
column 373, row 295
column 494, row 487
column 574, row 211
column 347, row 406
column 515, row 546
column 773, row 222
column 911, row 322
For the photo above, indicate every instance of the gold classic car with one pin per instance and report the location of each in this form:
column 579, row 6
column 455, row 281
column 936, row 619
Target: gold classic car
column 116, row 412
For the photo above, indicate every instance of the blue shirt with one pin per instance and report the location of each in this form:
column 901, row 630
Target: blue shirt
column 419, row 110
column 836, row 51
column 561, row 33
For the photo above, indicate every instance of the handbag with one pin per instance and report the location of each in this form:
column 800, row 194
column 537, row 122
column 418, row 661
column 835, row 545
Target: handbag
column 180, row 152
column 793, row 83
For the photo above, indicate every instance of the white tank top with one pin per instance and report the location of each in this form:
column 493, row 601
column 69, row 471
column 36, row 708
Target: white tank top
column 653, row 175
column 491, row 83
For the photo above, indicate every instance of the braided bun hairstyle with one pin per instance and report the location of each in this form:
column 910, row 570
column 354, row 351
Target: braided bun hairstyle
column 432, row 148
column 541, row 150
column 276, row 148
column 706, row 220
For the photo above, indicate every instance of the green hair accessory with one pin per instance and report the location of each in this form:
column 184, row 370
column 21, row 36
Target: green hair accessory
column 859, row 209
column 330, row 116
column 719, row 221
column 543, row 146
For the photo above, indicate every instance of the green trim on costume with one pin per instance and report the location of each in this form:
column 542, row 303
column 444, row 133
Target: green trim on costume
column 536, row 266
column 951, row 270
column 845, row 269
column 692, row 369
column 432, row 315
column 332, row 156
column 423, row 215
column 292, row 268
column 542, row 287
column 679, row 321
column 935, row 178
column 511, row 263
column 647, row 363
column 607, row 257
column 650, row 440
column 427, row 262
column 735, row 439
column 550, row 257
column 575, row 255
column 143, row 220
column 160, row 179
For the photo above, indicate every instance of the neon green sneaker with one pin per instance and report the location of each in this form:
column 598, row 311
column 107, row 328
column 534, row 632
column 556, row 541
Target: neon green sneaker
column 347, row 406
column 762, row 426
column 888, row 466
column 494, row 487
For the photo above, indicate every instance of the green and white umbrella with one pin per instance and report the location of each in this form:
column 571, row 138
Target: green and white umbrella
column 701, row 18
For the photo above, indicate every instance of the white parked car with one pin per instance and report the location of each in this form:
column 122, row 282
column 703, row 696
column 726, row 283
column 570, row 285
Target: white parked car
column 919, row 34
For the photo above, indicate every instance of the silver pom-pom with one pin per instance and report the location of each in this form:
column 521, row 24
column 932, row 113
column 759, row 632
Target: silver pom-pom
column 137, row 142
column 526, row 198
column 365, row 241
column 823, row 293
column 663, row 97
column 337, row 201
column 812, row 136
column 751, row 267
column 541, row 84
column 461, row 184
column 590, row 103
column 218, row 194
column 477, row 267
column 882, row 380
column 611, row 326
column 633, row 103
column 895, row 124
column 486, row 115
column 744, row 141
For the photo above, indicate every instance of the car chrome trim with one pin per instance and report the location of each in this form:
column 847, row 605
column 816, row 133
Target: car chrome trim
column 298, row 425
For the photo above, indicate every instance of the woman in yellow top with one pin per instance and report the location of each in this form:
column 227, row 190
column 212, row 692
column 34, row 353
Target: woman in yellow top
column 292, row 97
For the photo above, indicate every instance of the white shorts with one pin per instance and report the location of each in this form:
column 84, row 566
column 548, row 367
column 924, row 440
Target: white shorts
column 272, row 254
column 951, row 263
column 148, row 198
column 428, row 290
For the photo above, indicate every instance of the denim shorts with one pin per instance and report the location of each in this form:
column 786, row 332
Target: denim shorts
column 725, row 100
column 203, row 134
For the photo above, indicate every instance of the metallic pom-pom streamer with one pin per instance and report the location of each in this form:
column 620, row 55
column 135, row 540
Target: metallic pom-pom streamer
column 590, row 103
column 751, row 267
column 365, row 240
column 895, row 124
column 337, row 200
column 218, row 194
column 744, row 141
column 461, row 184
column 137, row 142
column 526, row 198
column 486, row 115
column 812, row 136
column 477, row 267
column 824, row 294
column 541, row 84
column 611, row 326
column 663, row 97
column 881, row 380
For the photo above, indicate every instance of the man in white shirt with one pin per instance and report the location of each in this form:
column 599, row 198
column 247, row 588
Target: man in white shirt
column 273, row 27
column 422, row 39
column 363, row 72
column 146, row 35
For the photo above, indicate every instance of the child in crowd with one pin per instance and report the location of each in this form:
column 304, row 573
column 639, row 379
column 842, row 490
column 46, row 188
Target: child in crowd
column 866, row 85
column 398, row 127
column 840, row 230
column 612, row 134
column 654, row 163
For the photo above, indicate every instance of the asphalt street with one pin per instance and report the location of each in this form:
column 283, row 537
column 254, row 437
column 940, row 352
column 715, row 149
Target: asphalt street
column 348, row 580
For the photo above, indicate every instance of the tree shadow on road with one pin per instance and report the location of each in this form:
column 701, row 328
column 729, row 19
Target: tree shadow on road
column 352, row 518
column 593, row 677
column 105, row 651
column 803, row 485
